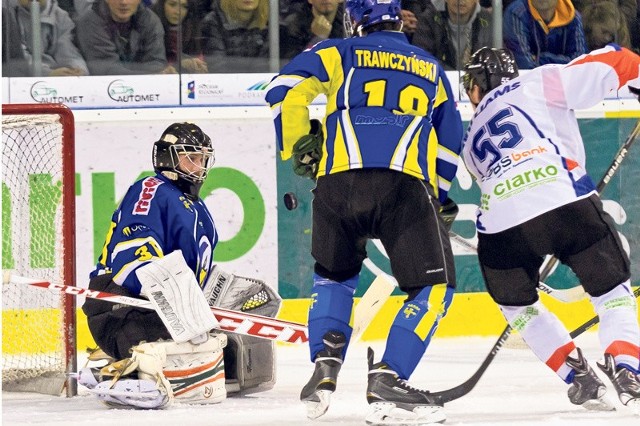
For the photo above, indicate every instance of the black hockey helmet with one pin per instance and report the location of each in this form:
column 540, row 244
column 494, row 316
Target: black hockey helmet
column 489, row 68
column 178, row 141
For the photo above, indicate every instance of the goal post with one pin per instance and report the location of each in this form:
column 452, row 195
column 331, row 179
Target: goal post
column 38, row 241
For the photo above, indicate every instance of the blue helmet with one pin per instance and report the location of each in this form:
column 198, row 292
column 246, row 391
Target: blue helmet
column 360, row 14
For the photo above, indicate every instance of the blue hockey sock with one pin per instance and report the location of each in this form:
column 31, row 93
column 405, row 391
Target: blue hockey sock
column 413, row 328
column 330, row 310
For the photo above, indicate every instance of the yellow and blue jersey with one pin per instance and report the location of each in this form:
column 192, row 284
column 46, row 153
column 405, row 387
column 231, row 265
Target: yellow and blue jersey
column 389, row 105
column 154, row 219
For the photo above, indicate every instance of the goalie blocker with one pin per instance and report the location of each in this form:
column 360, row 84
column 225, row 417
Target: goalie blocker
column 249, row 361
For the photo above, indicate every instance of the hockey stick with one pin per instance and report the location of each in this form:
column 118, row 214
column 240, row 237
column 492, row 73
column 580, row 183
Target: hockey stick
column 233, row 321
column 466, row 387
column 469, row 384
column 372, row 300
column 613, row 168
column 381, row 288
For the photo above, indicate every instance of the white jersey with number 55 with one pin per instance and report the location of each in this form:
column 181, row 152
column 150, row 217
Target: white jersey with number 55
column 523, row 144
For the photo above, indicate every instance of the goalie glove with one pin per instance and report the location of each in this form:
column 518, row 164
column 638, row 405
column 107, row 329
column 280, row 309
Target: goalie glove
column 241, row 294
column 307, row 152
column 448, row 212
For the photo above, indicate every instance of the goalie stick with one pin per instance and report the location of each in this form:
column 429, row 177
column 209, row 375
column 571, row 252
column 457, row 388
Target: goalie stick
column 466, row 387
column 233, row 321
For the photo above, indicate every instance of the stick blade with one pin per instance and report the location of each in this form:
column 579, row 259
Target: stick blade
column 370, row 304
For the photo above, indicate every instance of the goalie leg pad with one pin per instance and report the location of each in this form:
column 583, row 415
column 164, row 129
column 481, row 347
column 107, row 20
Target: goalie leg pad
column 250, row 364
column 194, row 373
column 176, row 295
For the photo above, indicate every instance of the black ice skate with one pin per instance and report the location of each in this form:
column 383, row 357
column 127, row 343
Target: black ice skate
column 316, row 393
column 625, row 382
column 587, row 389
column 393, row 401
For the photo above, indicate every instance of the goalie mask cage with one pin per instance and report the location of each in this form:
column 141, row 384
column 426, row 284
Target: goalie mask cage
column 38, row 226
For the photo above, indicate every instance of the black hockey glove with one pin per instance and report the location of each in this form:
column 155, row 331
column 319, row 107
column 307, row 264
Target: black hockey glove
column 635, row 91
column 448, row 212
column 307, row 152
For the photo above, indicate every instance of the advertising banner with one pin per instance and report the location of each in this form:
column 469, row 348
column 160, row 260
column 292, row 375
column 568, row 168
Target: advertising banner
column 129, row 91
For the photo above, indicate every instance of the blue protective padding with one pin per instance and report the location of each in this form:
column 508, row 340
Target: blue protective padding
column 331, row 305
column 405, row 346
column 628, row 367
column 569, row 379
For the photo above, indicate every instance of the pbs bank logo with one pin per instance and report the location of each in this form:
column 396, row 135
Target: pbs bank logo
column 122, row 91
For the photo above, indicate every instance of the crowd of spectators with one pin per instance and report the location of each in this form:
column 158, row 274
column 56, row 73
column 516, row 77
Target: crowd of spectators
column 108, row 37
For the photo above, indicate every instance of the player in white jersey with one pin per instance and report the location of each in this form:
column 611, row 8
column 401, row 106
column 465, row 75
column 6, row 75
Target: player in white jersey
column 524, row 149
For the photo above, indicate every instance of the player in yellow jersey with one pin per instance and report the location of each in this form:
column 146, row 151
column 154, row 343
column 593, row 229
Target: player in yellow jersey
column 384, row 158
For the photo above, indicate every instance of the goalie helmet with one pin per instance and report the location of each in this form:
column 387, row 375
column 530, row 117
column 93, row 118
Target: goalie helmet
column 361, row 14
column 489, row 68
column 184, row 155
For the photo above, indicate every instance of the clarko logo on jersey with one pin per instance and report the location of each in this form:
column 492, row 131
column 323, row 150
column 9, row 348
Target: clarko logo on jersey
column 121, row 91
column 46, row 92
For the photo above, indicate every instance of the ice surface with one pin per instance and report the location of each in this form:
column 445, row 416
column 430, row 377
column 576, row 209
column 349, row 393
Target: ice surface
column 517, row 389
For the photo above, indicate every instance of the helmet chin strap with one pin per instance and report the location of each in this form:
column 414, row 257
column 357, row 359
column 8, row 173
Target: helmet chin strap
column 190, row 189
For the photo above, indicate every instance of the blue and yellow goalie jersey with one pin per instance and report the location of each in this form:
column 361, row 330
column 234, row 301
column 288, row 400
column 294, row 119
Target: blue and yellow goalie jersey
column 389, row 105
column 154, row 219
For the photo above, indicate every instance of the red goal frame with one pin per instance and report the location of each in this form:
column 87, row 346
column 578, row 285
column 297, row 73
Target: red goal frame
column 68, row 302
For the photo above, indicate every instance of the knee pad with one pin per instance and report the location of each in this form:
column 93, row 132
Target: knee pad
column 250, row 364
column 192, row 374
column 544, row 333
column 618, row 332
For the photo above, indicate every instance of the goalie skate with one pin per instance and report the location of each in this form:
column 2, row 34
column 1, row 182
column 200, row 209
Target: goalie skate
column 587, row 389
column 316, row 394
column 394, row 402
column 131, row 394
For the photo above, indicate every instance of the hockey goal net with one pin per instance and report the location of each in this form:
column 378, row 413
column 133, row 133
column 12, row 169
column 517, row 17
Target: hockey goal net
column 38, row 225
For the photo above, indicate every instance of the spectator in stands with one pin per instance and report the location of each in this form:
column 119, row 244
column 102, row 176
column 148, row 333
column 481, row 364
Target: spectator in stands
column 604, row 24
column 542, row 32
column 14, row 64
column 629, row 10
column 122, row 37
column 454, row 34
column 309, row 22
column 180, row 15
column 60, row 56
column 75, row 8
column 236, row 36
